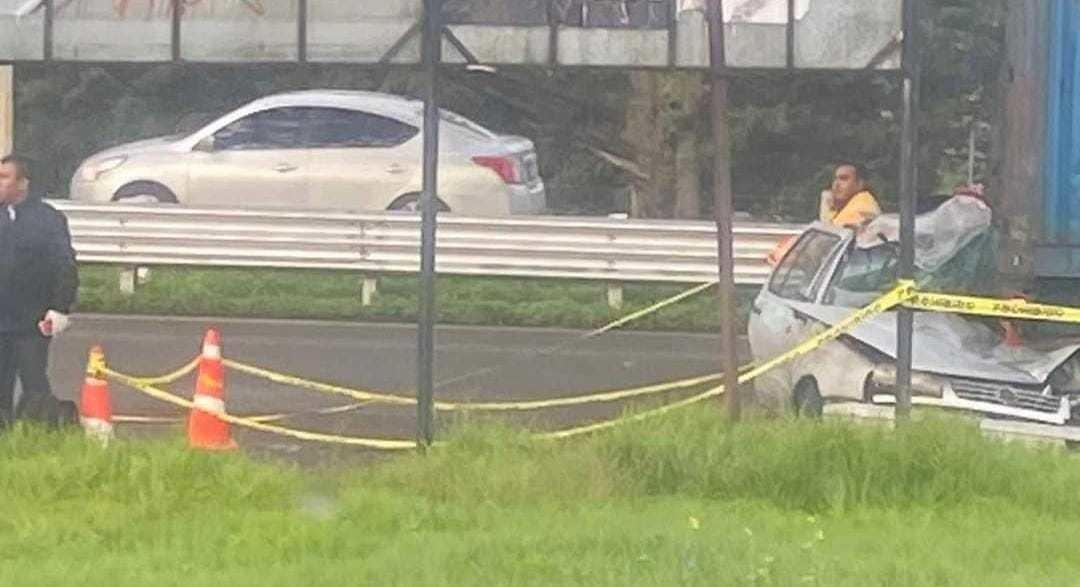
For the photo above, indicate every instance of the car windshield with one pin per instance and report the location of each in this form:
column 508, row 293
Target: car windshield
column 794, row 277
column 863, row 275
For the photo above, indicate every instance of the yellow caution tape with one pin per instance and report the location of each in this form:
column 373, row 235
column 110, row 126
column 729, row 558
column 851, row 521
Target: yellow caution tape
column 653, row 308
column 524, row 405
column 249, row 423
column 293, row 381
column 1019, row 309
column 899, row 295
column 173, row 376
column 263, row 418
column 370, row 396
column 902, row 292
column 591, row 334
column 638, row 417
column 886, row 302
column 890, row 300
column 125, row 419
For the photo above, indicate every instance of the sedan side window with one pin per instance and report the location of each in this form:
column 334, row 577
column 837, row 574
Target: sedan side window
column 864, row 274
column 280, row 128
column 795, row 275
column 337, row 128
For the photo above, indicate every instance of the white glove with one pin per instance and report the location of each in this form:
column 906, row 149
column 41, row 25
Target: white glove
column 54, row 323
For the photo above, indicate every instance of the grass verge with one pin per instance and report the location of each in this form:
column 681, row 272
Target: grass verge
column 681, row 500
column 261, row 293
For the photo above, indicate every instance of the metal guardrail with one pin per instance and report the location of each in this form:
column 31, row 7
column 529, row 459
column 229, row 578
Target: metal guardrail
column 607, row 249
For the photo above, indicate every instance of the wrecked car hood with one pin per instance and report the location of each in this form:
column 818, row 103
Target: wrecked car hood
column 947, row 344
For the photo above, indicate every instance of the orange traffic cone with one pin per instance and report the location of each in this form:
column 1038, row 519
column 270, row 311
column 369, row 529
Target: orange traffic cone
column 205, row 429
column 95, row 410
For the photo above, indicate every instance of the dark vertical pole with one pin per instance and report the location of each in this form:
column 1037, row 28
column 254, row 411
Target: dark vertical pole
column 723, row 210
column 301, row 31
column 432, row 43
column 909, row 140
column 553, row 34
column 177, row 15
column 47, row 34
column 789, row 34
column 673, row 35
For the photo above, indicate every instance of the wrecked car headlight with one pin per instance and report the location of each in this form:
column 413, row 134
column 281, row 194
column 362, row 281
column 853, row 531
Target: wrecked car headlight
column 884, row 378
column 1066, row 378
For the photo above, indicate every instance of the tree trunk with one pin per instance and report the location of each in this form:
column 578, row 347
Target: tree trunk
column 688, row 177
column 662, row 117
column 642, row 134
column 690, row 96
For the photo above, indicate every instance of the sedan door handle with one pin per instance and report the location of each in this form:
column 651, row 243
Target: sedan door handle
column 395, row 168
column 284, row 167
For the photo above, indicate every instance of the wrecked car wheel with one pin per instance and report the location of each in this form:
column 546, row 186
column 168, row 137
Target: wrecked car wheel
column 807, row 400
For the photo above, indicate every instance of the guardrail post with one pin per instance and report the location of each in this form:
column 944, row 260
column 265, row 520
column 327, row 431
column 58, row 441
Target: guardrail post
column 129, row 277
column 132, row 277
column 369, row 286
column 615, row 296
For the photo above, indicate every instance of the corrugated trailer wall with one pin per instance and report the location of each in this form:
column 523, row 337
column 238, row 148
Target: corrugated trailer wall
column 1058, row 247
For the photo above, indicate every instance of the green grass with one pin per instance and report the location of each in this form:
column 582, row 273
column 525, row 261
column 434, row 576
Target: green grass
column 336, row 296
column 681, row 500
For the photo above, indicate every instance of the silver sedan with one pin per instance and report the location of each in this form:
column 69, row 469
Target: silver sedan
column 320, row 149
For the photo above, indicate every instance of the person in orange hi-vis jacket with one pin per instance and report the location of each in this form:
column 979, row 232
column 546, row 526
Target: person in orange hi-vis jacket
column 849, row 201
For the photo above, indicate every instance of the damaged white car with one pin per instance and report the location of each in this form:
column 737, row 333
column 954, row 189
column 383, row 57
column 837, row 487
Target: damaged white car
column 958, row 362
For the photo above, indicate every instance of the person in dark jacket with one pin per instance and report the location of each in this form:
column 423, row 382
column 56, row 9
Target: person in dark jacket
column 38, row 284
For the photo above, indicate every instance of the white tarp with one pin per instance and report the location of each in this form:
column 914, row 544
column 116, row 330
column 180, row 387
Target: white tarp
column 939, row 234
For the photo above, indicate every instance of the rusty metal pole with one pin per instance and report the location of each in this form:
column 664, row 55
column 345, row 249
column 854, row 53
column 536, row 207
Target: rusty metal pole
column 723, row 208
column 909, row 141
column 432, row 50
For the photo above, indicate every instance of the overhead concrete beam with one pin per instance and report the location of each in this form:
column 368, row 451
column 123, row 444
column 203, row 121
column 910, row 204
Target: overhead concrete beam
column 836, row 34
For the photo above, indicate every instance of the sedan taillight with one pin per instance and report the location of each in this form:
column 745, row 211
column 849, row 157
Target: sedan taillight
column 506, row 167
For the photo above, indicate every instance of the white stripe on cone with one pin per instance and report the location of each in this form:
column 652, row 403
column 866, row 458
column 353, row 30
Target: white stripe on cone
column 97, row 428
column 208, row 403
column 211, row 351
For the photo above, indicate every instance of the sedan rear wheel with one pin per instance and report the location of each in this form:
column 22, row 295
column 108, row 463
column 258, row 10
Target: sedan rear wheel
column 411, row 203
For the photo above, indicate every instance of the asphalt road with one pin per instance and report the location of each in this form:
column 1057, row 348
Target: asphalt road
column 378, row 358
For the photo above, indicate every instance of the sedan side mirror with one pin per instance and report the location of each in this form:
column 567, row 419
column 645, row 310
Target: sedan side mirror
column 205, row 144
